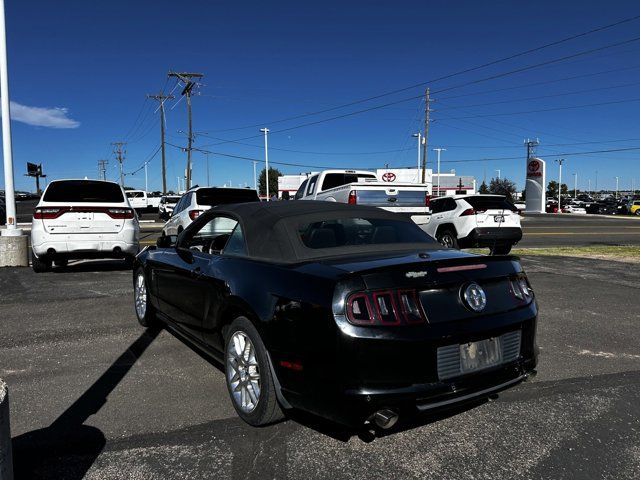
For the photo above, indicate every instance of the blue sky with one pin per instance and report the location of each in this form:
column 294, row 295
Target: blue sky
column 79, row 72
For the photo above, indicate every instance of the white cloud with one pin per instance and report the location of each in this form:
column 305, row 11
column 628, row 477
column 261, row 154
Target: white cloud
column 43, row 117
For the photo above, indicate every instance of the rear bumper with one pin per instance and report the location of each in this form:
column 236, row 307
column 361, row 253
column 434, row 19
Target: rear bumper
column 369, row 372
column 485, row 237
column 90, row 245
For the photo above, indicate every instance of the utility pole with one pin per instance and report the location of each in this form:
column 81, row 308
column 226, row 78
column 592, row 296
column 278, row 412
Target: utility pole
column 439, row 150
column 617, row 178
column 575, row 185
column 425, row 140
column 161, row 98
column 560, row 162
column 589, row 187
column 120, row 157
column 596, row 181
column 185, row 77
column 266, row 159
column 102, row 168
column 531, row 146
column 498, row 170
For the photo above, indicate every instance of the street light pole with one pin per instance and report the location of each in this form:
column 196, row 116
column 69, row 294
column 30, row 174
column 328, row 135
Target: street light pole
column 439, row 150
column 498, row 170
column 419, row 137
column 617, row 178
column 255, row 178
column 575, row 185
column 266, row 159
column 7, row 151
column 560, row 161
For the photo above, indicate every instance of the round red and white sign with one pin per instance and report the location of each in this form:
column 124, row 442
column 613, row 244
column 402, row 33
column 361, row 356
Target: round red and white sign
column 534, row 166
column 389, row 177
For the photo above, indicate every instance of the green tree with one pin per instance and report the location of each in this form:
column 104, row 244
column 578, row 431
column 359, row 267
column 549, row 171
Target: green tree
column 274, row 173
column 484, row 188
column 502, row 186
column 552, row 189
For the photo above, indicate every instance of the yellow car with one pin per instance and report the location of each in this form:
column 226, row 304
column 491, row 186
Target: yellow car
column 634, row 208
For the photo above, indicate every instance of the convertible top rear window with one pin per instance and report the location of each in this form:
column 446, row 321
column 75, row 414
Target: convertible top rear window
column 83, row 191
column 222, row 196
column 351, row 232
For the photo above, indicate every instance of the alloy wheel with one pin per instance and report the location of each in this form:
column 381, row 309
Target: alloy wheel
column 447, row 240
column 140, row 293
column 243, row 373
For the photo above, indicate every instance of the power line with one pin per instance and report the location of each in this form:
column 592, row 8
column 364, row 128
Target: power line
column 145, row 162
column 451, row 75
column 553, row 109
column 540, row 97
column 492, row 77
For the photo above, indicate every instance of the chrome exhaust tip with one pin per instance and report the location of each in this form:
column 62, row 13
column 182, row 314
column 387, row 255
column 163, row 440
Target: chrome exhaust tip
column 385, row 418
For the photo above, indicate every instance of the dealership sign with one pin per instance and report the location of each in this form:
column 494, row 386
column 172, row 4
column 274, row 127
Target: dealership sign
column 535, row 187
column 534, row 168
column 389, row 177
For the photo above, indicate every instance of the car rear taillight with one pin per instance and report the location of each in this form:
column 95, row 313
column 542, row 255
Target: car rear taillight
column 353, row 199
column 120, row 213
column 385, row 308
column 48, row 213
column 467, row 212
column 427, row 200
column 193, row 214
column 520, row 288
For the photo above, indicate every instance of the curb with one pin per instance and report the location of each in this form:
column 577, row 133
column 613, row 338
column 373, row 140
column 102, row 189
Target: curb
column 6, row 459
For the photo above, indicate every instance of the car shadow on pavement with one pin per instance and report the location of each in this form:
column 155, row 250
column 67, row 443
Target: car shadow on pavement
column 93, row 266
column 67, row 448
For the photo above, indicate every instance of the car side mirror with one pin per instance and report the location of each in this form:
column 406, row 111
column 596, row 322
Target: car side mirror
column 166, row 241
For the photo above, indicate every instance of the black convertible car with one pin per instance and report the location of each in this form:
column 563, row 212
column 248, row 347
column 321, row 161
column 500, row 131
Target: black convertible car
column 352, row 313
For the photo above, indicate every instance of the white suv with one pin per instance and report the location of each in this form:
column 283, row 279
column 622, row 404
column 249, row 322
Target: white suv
column 167, row 204
column 465, row 221
column 83, row 219
column 199, row 199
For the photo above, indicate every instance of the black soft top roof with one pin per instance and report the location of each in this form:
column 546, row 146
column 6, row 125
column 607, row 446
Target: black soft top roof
column 270, row 228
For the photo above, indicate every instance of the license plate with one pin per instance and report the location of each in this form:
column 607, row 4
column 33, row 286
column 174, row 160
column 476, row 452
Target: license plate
column 499, row 218
column 480, row 355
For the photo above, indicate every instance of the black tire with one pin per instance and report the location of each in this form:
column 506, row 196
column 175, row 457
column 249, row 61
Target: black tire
column 62, row 262
column 40, row 265
column 266, row 409
column 638, row 212
column 500, row 249
column 128, row 261
column 448, row 238
column 147, row 315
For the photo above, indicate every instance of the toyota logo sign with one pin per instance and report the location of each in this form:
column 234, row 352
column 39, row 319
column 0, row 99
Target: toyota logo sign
column 389, row 177
column 533, row 169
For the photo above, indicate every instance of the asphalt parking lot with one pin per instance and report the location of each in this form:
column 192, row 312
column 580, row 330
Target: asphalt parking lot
column 94, row 396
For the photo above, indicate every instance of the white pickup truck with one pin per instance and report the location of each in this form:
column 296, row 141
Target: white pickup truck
column 361, row 187
column 141, row 201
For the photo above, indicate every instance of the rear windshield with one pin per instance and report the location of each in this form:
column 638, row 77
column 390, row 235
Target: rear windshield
column 134, row 194
column 221, row 196
column 490, row 203
column 83, row 191
column 345, row 232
